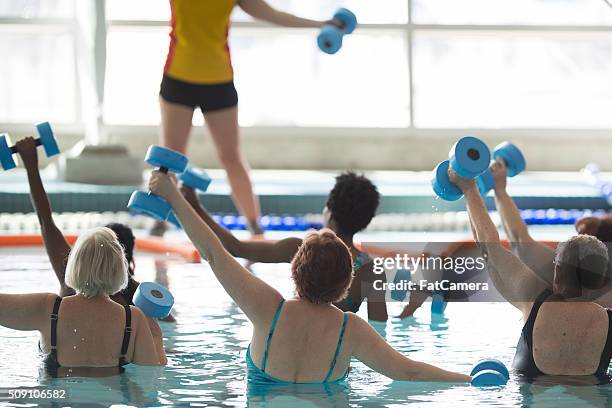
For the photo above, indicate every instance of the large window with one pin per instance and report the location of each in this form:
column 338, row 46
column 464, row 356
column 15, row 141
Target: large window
column 38, row 68
column 422, row 64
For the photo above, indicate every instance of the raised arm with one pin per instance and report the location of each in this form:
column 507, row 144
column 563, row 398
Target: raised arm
column 25, row 311
column 261, row 10
column 518, row 284
column 256, row 298
column 56, row 245
column 372, row 350
column 537, row 256
column 254, row 251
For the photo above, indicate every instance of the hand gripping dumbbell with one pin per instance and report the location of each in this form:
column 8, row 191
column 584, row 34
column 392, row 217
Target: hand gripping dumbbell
column 515, row 164
column 469, row 158
column 153, row 299
column 330, row 37
column 148, row 203
column 45, row 139
column 195, row 178
column 488, row 373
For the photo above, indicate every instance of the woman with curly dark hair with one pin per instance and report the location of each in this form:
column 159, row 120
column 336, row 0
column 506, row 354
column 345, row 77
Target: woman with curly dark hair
column 351, row 205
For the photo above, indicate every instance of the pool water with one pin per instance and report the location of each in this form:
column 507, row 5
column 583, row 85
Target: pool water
column 206, row 351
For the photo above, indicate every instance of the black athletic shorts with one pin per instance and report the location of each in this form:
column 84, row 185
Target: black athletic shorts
column 208, row 97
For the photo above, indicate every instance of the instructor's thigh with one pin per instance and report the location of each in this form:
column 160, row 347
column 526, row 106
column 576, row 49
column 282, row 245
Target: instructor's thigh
column 176, row 122
column 223, row 127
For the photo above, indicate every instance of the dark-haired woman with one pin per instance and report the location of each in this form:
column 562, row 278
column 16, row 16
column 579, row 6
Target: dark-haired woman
column 55, row 243
column 306, row 339
column 350, row 207
column 565, row 332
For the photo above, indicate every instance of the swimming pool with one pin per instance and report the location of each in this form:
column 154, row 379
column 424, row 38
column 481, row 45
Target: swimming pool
column 206, row 350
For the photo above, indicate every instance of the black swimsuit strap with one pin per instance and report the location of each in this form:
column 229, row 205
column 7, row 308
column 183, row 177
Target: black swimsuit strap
column 533, row 314
column 126, row 335
column 54, row 317
column 606, row 354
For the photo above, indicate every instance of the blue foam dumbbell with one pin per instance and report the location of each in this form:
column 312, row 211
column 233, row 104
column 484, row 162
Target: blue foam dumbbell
column 438, row 303
column 45, row 139
column 330, row 37
column 489, row 372
column 153, row 299
column 515, row 164
column 148, row 203
column 195, row 178
column 469, row 158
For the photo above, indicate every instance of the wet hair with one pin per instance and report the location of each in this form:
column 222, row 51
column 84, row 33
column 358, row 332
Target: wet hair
column 322, row 268
column 352, row 203
column 96, row 264
column 127, row 240
column 581, row 262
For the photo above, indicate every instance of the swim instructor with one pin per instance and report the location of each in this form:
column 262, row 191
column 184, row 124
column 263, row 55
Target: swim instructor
column 198, row 73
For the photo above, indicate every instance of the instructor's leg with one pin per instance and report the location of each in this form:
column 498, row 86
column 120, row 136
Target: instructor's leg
column 175, row 125
column 223, row 127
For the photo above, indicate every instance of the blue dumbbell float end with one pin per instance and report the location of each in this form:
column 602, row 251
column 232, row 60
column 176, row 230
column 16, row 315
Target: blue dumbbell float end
column 489, row 372
column 515, row 161
column 196, row 178
column 469, row 157
column 160, row 156
column 149, row 204
column 347, row 18
column 6, row 155
column 438, row 304
column 330, row 39
column 47, row 139
column 153, row 299
column 442, row 185
column 485, row 182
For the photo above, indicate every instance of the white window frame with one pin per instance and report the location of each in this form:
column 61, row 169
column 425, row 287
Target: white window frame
column 409, row 28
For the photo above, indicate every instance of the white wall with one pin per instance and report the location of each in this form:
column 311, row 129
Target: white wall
column 368, row 149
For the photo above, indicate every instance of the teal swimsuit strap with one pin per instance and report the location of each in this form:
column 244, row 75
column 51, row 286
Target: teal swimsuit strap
column 333, row 364
column 270, row 333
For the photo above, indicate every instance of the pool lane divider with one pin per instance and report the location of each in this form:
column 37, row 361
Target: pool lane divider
column 148, row 244
column 191, row 254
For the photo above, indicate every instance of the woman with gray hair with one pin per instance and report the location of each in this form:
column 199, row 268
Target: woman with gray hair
column 565, row 332
column 88, row 333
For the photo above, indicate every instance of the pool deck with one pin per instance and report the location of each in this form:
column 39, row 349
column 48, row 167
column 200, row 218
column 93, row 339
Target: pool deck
column 300, row 192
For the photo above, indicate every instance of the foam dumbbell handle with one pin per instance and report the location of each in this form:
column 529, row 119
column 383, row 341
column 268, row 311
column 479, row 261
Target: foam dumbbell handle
column 489, row 372
column 442, row 185
column 166, row 159
column 469, row 157
column 347, row 18
column 515, row 161
column 330, row 39
column 149, row 204
column 6, row 153
column 195, row 178
column 153, row 299
column 47, row 139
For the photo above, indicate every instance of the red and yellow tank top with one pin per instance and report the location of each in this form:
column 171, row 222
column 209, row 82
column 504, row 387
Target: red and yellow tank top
column 199, row 52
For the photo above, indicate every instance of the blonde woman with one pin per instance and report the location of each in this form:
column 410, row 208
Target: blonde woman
column 88, row 333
